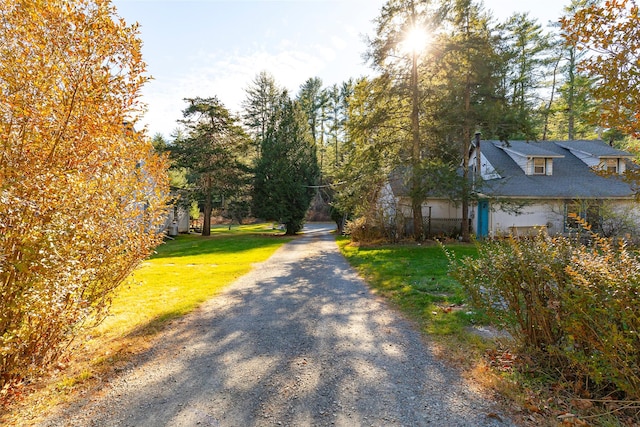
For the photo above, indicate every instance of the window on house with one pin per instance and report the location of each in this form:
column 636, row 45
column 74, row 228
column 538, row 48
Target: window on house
column 539, row 166
column 589, row 211
column 612, row 165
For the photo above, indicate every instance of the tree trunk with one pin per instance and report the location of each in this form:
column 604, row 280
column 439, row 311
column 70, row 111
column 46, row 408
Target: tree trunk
column 206, row 222
column 466, row 145
column 550, row 104
column 571, row 96
column 416, row 178
column 290, row 229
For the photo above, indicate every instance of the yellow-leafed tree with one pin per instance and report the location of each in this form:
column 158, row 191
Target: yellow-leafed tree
column 610, row 32
column 82, row 195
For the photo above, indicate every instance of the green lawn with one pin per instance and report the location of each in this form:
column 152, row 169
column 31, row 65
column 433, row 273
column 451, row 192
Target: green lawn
column 415, row 278
column 183, row 273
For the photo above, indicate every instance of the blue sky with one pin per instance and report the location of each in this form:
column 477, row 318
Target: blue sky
column 217, row 47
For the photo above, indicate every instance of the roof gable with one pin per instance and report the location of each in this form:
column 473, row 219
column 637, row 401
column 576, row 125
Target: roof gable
column 571, row 179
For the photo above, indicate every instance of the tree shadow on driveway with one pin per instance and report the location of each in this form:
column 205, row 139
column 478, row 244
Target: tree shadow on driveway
column 299, row 341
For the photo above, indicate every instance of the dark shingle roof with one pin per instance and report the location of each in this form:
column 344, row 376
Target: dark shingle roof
column 595, row 148
column 529, row 149
column 571, row 178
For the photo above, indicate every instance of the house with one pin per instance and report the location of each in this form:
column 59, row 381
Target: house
column 522, row 186
column 177, row 220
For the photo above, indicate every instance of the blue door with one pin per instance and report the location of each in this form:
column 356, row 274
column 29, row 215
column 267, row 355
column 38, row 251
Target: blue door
column 482, row 229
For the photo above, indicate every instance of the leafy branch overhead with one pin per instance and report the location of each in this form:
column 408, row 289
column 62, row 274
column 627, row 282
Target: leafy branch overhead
column 610, row 33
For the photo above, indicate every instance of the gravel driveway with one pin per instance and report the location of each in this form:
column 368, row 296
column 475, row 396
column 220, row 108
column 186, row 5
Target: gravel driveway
column 299, row 341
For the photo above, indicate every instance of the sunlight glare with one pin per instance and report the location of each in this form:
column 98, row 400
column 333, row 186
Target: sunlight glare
column 415, row 40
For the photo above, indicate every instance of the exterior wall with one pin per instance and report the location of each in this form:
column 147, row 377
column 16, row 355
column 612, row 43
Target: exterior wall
column 548, row 214
column 625, row 206
column 538, row 214
column 521, row 161
column 486, row 169
column 588, row 159
column 620, row 164
column 439, row 208
column 530, row 168
column 387, row 201
column 439, row 215
column 181, row 220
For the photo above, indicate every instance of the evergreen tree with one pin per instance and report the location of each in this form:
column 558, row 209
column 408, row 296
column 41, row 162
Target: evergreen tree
column 526, row 54
column 338, row 103
column 213, row 150
column 468, row 87
column 396, row 51
column 372, row 151
column 262, row 99
column 312, row 100
column 288, row 168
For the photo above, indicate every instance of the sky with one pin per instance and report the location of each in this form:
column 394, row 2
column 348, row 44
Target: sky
column 216, row 48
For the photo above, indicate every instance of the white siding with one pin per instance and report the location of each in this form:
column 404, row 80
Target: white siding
column 182, row 220
column 548, row 215
column 441, row 209
column 541, row 214
column 620, row 165
column 387, row 201
column 530, row 169
column 525, row 164
column 487, row 171
column 588, row 159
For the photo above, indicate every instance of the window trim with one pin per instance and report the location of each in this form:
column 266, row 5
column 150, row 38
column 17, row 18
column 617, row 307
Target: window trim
column 543, row 166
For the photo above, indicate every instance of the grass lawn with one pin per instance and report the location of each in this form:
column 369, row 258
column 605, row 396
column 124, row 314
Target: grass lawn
column 534, row 392
column 415, row 278
column 181, row 275
column 185, row 272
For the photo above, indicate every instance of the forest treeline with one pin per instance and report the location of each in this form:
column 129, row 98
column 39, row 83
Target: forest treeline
column 83, row 196
column 442, row 73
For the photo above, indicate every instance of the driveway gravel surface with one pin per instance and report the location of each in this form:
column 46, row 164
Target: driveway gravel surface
column 299, row 341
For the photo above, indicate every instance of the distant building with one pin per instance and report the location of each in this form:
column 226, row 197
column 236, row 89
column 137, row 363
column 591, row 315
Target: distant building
column 522, row 186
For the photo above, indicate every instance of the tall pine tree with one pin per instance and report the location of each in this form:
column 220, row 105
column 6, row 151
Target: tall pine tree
column 212, row 150
column 287, row 169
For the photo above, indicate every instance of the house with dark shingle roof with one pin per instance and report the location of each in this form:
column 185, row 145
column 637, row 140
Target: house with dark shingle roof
column 522, row 186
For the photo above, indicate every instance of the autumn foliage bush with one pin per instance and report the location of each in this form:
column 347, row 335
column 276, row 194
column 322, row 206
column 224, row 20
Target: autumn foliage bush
column 571, row 307
column 364, row 230
column 81, row 193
